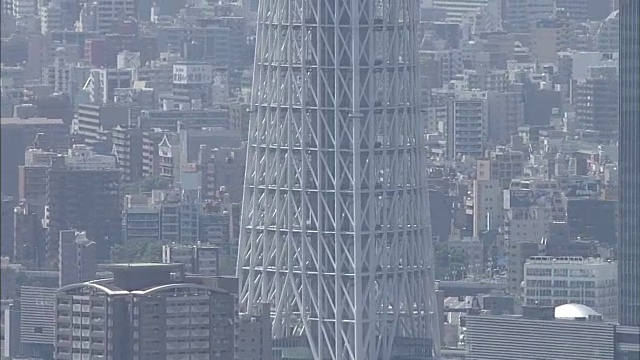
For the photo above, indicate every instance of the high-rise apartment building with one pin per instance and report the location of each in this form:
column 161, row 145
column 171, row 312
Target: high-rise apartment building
column 335, row 228
column 467, row 122
column 146, row 311
column 629, row 160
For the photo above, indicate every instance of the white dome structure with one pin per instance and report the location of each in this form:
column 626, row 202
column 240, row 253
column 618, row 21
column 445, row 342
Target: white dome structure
column 575, row 312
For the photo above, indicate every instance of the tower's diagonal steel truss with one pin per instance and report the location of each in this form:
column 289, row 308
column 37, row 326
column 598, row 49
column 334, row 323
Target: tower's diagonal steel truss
column 335, row 220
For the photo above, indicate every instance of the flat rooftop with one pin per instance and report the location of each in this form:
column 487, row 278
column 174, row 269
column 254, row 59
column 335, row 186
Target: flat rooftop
column 141, row 266
column 9, row 121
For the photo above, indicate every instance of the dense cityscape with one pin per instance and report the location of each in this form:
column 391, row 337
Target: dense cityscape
column 320, row 180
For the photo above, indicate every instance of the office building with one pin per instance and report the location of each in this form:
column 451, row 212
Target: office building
column 349, row 175
column 84, row 194
column 556, row 281
column 570, row 331
column 629, row 160
column 146, row 311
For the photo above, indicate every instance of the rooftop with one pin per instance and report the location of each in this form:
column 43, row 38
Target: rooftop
column 31, row 121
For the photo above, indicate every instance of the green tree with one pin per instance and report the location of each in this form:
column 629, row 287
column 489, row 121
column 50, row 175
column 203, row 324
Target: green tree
column 147, row 184
column 450, row 263
column 147, row 251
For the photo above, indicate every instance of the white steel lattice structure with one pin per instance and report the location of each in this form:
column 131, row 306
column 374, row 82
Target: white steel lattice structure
column 335, row 220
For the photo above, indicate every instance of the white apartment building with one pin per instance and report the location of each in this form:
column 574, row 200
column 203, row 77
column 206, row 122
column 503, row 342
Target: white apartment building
column 556, row 281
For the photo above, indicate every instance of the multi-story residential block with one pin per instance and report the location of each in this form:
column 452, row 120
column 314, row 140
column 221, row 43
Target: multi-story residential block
column 588, row 281
column 146, row 311
column 129, row 145
column 467, row 125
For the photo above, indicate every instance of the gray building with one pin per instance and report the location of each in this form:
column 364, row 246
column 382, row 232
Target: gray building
column 37, row 320
column 77, row 262
column 568, row 332
column 629, row 161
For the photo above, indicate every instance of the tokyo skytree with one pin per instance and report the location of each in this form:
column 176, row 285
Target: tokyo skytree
column 335, row 227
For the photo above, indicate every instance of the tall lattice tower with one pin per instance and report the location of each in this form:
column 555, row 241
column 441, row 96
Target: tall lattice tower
column 335, row 220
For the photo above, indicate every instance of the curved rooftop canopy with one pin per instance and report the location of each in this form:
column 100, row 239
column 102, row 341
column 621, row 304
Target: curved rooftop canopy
column 574, row 311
